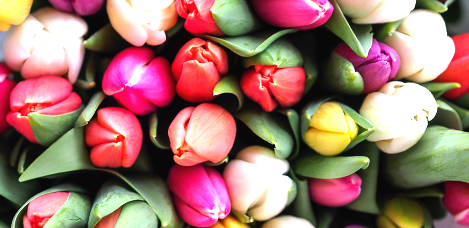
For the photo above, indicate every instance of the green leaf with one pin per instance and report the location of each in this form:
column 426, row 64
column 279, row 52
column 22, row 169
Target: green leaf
column 136, row 214
column 358, row 37
column 90, row 72
column 327, row 215
column 427, row 219
column 341, row 77
column 462, row 101
column 313, row 165
column 281, row 53
column 434, row 5
column 311, row 71
column 22, row 160
column 16, row 151
column 268, row 126
column 252, row 44
column 440, row 155
column 229, row 85
column 435, row 206
column 446, row 116
column 209, row 163
column 243, row 218
column 294, row 121
column 176, row 28
column 106, row 40
column 430, row 191
column 73, row 213
column 462, row 113
column 438, row 88
column 3, row 225
column 301, row 206
column 47, row 129
column 162, row 143
column 386, row 30
column 90, row 109
column 234, row 17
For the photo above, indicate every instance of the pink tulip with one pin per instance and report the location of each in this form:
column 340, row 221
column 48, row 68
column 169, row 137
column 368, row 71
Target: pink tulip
column 6, row 86
column 335, row 192
column 199, row 64
column 202, row 133
column 80, row 7
column 199, row 194
column 199, row 19
column 139, row 81
column 115, row 137
column 41, row 209
column 298, row 14
column 456, row 201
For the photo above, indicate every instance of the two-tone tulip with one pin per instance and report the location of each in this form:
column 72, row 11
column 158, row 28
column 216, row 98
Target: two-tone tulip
column 6, row 86
column 456, row 201
column 13, row 12
column 287, row 221
column 199, row 64
column 203, row 133
column 115, row 136
column 140, row 22
column 199, row 193
column 400, row 113
column 139, row 81
column 423, row 46
column 80, row 7
column 257, row 184
column 335, row 192
column 401, row 212
column 48, row 42
column 376, row 11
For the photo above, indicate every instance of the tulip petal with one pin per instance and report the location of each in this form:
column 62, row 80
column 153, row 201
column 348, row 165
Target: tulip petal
column 288, row 85
column 46, row 206
column 188, row 158
column 325, row 142
column 70, row 104
column 107, row 155
column 410, row 51
column 329, row 117
column 264, row 158
column 124, row 19
column 6, row 86
column 97, row 134
column 400, row 144
column 62, row 5
column 75, row 53
column 462, row 218
column 358, row 8
column 130, row 99
column 56, row 22
column 336, row 192
column 87, row 7
column 177, row 130
column 184, row 55
column 192, row 216
column 252, row 86
column 21, row 124
column 202, row 76
column 375, row 75
column 387, row 11
column 154, row 37
column 275, row 199
column 222, row 193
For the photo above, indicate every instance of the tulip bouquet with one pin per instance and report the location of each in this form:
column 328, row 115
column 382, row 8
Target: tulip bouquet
column 233, row 113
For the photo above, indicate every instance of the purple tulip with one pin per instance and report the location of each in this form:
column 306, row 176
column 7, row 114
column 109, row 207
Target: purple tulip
column 80, row 7
column 380, row 66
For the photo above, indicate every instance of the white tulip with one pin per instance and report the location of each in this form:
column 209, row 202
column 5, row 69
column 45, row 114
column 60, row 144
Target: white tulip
column 376, row 11
column 400, row 113
column 48, row 42
column 423, row 46
column 287, row 221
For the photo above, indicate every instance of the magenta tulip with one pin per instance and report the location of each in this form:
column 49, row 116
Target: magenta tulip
column 80, row 7
column 456, row 201
column 335, row 192
column 6, row 86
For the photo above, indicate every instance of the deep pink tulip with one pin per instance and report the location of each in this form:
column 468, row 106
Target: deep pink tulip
column 80, row 7
column 298, row 14
column 199, row 64
column 270, row 86
column 335, row 192
column 41, row 209
column 139, row 81
column 199, row 194
column 199, row 19
column 6, row 86
column 203, row 133
column 456, row 201
column 45, row 95
column 115, row 137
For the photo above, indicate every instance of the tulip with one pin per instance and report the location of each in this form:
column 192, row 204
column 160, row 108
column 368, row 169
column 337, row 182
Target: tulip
column 335, row 192
column 287, row 221
column 423, row 46
column 270, row 86
column 199, row 194
column 203, row 133
column 199, row 19
column 140, row 21
column 199, row 64
column 401, row 212
column 139, row 81
column 256, row 184
column 376, row 11
column 399, row 112
column 46, row 96
column 298, row 14
column 229, row 222
column 13, row 12
column 6, row 86
column 80, row 7
column 330, row 130
column 115, row 137
column 456, row 201
column 48, row 42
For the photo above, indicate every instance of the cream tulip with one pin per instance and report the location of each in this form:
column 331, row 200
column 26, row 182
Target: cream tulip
column 376, row 11
column 287, row 221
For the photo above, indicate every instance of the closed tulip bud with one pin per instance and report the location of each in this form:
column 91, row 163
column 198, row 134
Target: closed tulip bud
column 401, row 212
column 13, row 12
column 115, row 136
column 376, row 11
column 199, row 64
column 199, row 194
column 400, row 113
column 199, row 19
column 80, row 7
column 423, row 46
column 46, row 97
column 48, row 42
column 229, row 222
column 6, row 86
column 287, row 221
column 203, row 133
column 141, row 21
column 336, row 192
column 139, row 81
column 456, row 201
column 256, row 183
column 298, row 14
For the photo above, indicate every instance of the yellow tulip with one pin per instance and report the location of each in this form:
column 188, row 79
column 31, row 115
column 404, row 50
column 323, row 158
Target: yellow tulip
column 229, row 222
column 13, row 12
column 401, row 212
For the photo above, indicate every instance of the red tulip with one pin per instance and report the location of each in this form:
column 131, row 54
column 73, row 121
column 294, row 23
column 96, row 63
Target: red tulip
column 115, row 137
column 270, row 86
column 456, row 201
column 335, row 192
column 41, row 209
column 6, row 86
column 199, row 19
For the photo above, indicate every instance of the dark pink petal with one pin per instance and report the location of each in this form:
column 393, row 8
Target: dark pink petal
column 192, row 216
column 131, row 100
column 6, row 86
column 372, row 75
column 456, row 197
column 335, row 192
column 72, row 103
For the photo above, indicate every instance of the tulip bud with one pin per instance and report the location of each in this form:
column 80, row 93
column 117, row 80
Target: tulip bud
column 199, row 194
column 287, row 221
column 6, row 86
column 296, row 14
column 423, row 46
column 138, row 81
column 203, row 133
column 456, row 201
column 376, row 11
column 199, row 64
column 401, row 212
column 199, row 19
column 48, row 42
column 336, row 192
column 256, row 184
column 229, row 222
column 141, row 22
column 13, row 12
column 43, row 97
column 80, row 7
column 115, row 137
column 399, row 112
